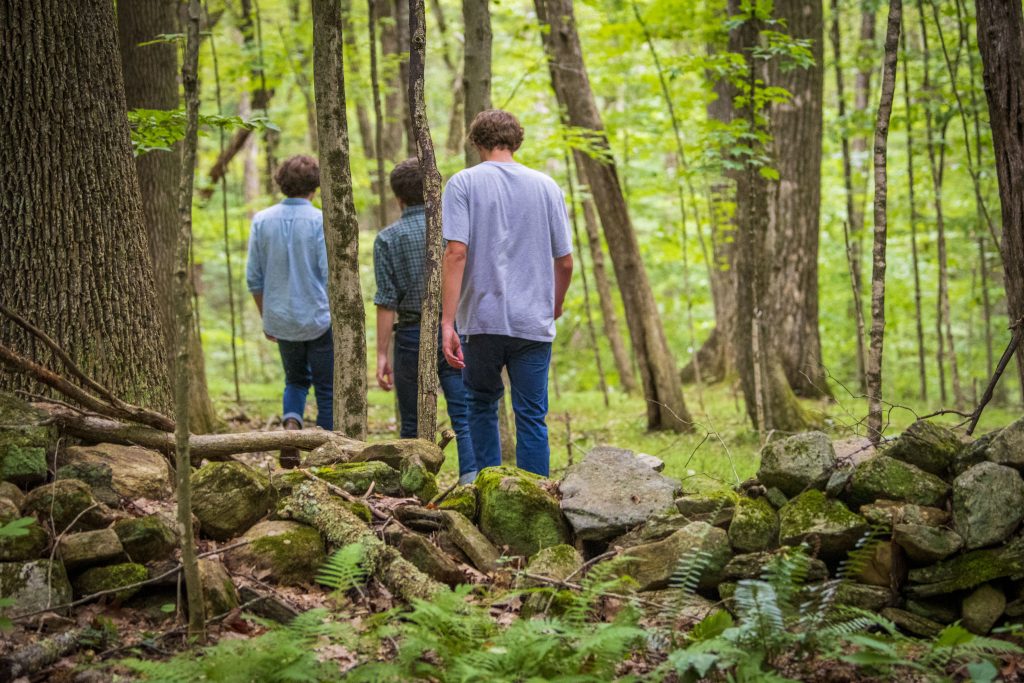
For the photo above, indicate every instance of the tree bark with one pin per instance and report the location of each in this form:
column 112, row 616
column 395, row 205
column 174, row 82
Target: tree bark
column 665, row 406
column 341, row 228
column 874, row 369
column 771, row 403
column 73, row 248
column 795, row 212
column 151, row 82
column 431, row 308
column 476, row 70
column 394, row 92
column 1001, row 43
column 379, row 183
column 183, row 320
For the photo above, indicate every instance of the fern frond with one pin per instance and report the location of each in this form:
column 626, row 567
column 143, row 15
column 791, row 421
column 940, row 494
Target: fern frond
column 344, row 569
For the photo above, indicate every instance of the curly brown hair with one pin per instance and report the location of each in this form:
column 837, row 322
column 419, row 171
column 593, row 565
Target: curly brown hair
column 298, row 176
column 407, row 182
column 496, row 129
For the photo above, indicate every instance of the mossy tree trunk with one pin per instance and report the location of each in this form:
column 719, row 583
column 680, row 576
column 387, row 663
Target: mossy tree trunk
column 73, row 251
column 476, row 70
column 151, row 82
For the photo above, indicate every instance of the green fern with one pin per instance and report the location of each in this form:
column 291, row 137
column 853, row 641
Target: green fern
column 345, row 569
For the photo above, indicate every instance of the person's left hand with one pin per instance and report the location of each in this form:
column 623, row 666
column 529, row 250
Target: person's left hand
column 452, row 347
column 385, row 376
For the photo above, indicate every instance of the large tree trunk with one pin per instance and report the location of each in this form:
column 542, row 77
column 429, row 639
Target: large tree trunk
column 151, row 82
column 73, row 252
column 1001, row 43
column 795, row 212
column 341, row 228
column 771, row 403
column 665, row 406
column 476, row 70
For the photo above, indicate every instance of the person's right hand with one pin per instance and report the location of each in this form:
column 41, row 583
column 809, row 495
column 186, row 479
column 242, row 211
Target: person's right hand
column 385, row 376
column 452, row 347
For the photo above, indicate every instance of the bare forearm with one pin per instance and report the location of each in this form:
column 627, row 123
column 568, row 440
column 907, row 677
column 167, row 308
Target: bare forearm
column 453, row 267
column 563, row 276
column 385, row 325
column 258, row 298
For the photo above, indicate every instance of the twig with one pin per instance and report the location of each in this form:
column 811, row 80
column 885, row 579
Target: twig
column 1011, row 348
column 590, row 563
column 436, row 500
column 447, row 436
column 137, row 584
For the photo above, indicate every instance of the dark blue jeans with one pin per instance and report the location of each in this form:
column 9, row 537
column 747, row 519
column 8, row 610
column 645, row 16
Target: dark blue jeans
column 306, row 363
column 527, row 362
column 407, row 355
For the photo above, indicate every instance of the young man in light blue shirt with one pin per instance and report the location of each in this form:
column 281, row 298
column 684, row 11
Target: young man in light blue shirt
column 506, row 270
column 287, row 275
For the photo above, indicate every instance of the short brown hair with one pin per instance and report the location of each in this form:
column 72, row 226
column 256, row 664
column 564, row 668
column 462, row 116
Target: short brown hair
column 496, row 129
column 298, row 176
column 407, row 182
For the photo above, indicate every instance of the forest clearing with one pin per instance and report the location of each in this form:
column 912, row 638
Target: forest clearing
column 648, row 340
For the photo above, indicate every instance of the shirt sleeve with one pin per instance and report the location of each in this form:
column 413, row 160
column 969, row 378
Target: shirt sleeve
column 455, row 212
column 254, row 263
column 384, row 273
column 322, row 254
column 561, row 235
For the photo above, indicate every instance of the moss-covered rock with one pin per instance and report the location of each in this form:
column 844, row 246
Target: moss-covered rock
column 714, row 507
column 219, row 593
column 426, row 557
column 146, row 539
column 396, row 451
column 753, row 566
column 557, row 562
column 25, row 439
column 89, row 548
column 463, row 499
column 912, row 623
column 926, row 544
column 516, row 512
column 1007, row 446
column 982, row 608
column 64, row 501
column 886, row 513
column 887, row 478
column 988, row 504
column 228, row 498
column 796, row 463
column 288, row 552
column 35, row 585
column 28, row 546
column 929, row 446
column 468, row 539
column 12, row 493
column 653, row 564
column 937, row 609
column 417, row 480
column 968, row 570
column 111, row 577
column 871, row 598
column 813, row 516
column 353, row 477
column 754, row 526
column 98, row 476
column 661, row 525
column 23, row 465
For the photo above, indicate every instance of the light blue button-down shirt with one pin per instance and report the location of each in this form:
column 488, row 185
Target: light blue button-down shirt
column 288, row 264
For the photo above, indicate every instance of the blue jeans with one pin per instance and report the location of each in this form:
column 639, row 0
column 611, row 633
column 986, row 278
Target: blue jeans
column 407, row 358
column 306, row 363
column 527, row 362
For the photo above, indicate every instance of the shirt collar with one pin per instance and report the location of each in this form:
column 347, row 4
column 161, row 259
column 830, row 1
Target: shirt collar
column 296, row 201
column 410, row 210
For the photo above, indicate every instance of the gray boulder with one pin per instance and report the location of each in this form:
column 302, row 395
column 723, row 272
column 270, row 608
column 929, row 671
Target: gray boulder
column 610, row 491
column 887, row 478
column 90, row 548
column 988, row 504
column 926, row 544
column 1007, row 446
column 797, row 463
column 36, row 585
column 652, row 565
column 228, row 498
column 931, row 447
column 982, row 608
column 135, row 472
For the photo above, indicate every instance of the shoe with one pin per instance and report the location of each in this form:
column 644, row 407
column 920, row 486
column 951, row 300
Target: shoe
column 289, row 457
column 467, row 478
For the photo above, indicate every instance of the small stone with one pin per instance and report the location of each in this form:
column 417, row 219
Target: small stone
column 1007, row 446
column 936, row 609
column 64, row 501
column 219, row 593
column 753, row 566
column 289, row 553
column 12, row 493
column 463, row 499
column 870, row 598
column 982, row 609
column 812, row 515
column 931, row 447
column 776, row 497
column 610, row 491
column 517, row 513
column 111, row 577
column 886, row 513
column 660, row 525
column 426, row 557
column 136, row 472
column 33, row 586
column 838, row 482
column 23, row 465
column 912, row 623
column 891, row 479
column 926, row 544
column 714, row 508
column 228, row 498
column 796, row 463
column 557, row 562
column 654, row 564
column 654, row 462
column 471, row 541
column 146, row 539
column 883, row 564
column 988, row 504
column 89, row 548
column 754, row 526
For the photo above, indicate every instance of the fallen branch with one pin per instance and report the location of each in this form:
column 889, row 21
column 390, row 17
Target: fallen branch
column 1011, row 348
column 338, row 491
column 32, row 658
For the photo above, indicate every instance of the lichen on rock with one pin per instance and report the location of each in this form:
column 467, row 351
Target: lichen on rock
column 516, row 512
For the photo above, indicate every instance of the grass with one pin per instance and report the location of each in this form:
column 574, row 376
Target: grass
column 722, row 449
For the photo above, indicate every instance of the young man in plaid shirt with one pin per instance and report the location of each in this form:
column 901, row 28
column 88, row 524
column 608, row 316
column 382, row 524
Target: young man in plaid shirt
column 398, row 255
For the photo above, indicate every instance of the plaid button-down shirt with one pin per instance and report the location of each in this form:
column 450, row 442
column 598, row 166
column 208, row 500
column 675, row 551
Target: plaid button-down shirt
column 398, row 255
